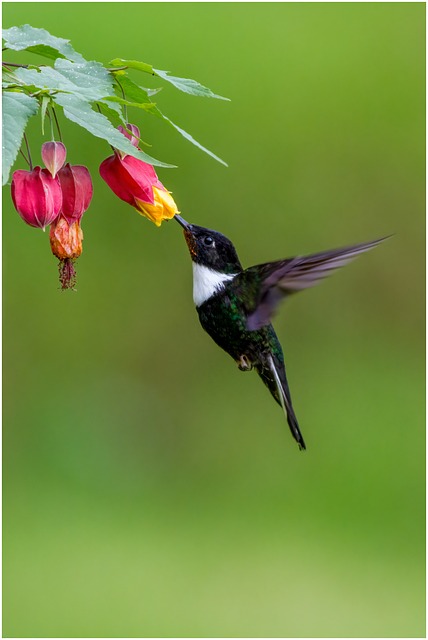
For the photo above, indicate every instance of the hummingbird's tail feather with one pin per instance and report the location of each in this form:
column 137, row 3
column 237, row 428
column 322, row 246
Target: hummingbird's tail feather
column 275, row 379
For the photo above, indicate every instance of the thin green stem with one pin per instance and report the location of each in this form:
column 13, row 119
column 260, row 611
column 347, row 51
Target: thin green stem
column 57, row 123
column 24, row 156
column 28, row 151
column 125, row 109
column 51, row 122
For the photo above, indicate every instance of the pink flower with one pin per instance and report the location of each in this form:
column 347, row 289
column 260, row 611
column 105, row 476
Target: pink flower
column 135, row 137
column 136, row 183
column 36, row 196
column 53, row 156
column 77, row 190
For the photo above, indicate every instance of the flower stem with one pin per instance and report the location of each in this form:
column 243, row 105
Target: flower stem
column 24, row 156
column 13, row 64
column 125, row 108
column 28, row 151
column 57, row 124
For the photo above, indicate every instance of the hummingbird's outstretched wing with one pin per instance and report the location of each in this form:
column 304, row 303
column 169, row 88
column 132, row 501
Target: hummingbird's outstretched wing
column 271, row 282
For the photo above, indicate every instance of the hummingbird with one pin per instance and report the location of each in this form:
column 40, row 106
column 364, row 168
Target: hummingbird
column 235, row 305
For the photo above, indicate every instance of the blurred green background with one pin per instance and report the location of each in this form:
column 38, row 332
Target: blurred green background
column 151, row 489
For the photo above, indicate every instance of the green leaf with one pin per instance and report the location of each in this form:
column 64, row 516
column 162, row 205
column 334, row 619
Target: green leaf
column 183, row 84
column 189, row 137
column 87, row 80
column 133, row 92
column 39, row 41
column 112, row 105
column 80, row 112
column 141, row 98
column 90, row 77
column 147, row 106
column 133, row 64
column 45, row 102
column 17, row 109
column 132, row 89
column 187, row 85
column 151, row 92
column 195, row 142
column 115, row 116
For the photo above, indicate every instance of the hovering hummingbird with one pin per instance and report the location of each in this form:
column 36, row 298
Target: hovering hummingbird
column 235, row 305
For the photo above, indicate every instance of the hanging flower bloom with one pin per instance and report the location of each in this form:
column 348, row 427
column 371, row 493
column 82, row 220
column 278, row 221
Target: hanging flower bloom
column 66, row 244
column 136, row 183
column 77, row 190
column 53, row 156
column 36, row 196
column 66, row 236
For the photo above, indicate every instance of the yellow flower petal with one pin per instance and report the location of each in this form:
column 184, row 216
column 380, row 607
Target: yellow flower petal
column 163, row 208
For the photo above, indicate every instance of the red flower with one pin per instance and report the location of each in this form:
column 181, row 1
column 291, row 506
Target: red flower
column 53, row 156
column 36, row 196
column 77, row 190
column 136, row 183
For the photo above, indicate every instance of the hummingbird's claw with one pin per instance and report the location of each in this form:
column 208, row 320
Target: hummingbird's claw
column 244, row 363
column 181, row 221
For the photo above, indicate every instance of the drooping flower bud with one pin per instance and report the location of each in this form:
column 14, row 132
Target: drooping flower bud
column 134, row 136
column 66, row 244
column 136, row 183
column 53, row 156
column 36, row 196
column 77, row 190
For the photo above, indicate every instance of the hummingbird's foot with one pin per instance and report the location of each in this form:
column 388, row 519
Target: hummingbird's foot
column 244, row 363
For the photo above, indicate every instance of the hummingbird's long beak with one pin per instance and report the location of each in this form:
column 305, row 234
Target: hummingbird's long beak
column 188, row 234
column 182, row 222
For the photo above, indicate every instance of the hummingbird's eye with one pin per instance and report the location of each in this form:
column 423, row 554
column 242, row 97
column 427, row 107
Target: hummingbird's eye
column 208, row 241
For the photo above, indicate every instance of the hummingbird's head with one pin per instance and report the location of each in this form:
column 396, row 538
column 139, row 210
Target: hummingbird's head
column 210, row 248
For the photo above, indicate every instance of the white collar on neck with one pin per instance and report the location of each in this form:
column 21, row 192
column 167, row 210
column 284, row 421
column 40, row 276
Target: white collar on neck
column 207, row 282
